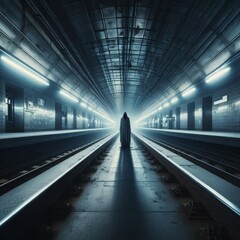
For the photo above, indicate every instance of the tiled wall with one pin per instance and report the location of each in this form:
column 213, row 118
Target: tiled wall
column 2, row 105
column 39, row 112
column 226, row 116
column 183, row 117
column 70, row 118
column 80, row 119
column 198, row 114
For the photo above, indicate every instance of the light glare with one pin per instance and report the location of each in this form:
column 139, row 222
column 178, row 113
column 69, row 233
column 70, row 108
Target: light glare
column 166, row 104
column 83, row 104
column 68, row 96
column 188, row 91
column 174, row 100
column 24, row 69
column 217, row 74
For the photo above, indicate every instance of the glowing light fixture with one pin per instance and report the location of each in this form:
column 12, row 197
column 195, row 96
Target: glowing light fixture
column 83, row 104
column 189, row 91
column 217, row 74
column 174, row 100
column 166, row 104
column 68, row 96
column 222, row 100
column 160, row 108
column 14, row 63
column 154, row 111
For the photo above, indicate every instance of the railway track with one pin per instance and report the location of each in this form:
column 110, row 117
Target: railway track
column 201, row 192
column 14, row 179
column 216, row 194
column 208, row 160
column 24, row 203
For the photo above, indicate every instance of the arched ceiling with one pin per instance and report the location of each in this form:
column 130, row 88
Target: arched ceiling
column 128, row 55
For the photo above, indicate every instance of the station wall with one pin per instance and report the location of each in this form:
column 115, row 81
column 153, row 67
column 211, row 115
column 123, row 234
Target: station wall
column 210, row 113
column 227, row 115
column 39, row 111
column 25, row 109
column 2, row 105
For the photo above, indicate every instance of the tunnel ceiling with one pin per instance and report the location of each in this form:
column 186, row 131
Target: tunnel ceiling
column 133, row 54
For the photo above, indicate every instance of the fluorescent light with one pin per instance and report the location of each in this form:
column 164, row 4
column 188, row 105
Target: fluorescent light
column 83, row 104
column 166, row 104
column 24, row 69
column 174, row 100
column 160, row 108
column 68, row 96
column 188, row 91
column 217, row 74
column 222, row 100
column 89, row 108
column 154, row 111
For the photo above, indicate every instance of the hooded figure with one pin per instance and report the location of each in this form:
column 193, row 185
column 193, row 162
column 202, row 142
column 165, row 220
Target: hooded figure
column 125, row 131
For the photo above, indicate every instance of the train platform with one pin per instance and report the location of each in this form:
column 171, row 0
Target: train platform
column 8, row 140
column 223, row 138
column 21, row 150
column 23, row 138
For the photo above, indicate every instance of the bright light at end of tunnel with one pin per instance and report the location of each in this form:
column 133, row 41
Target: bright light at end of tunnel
column 24, row 69
column 68, row 96
column 217, row 74
column 189, row 91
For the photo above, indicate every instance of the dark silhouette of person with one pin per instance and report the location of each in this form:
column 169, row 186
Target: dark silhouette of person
column 125, row 131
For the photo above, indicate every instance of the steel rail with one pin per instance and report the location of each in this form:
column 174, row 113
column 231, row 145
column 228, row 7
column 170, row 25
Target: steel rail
column 30, row 203
column 206, row 162
column 223, row 210
column 17, row 179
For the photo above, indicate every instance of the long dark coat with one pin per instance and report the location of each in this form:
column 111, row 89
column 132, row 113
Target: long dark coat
column 125, row 131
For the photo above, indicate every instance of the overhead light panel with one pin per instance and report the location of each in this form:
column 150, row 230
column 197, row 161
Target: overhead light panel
column 166, row 104
column 154, row 111
column 217, row 74
column 174, row 100
column 222, row 100
column 83, row 104
column 14, row 63
column 68, row 96
column 189, row 91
